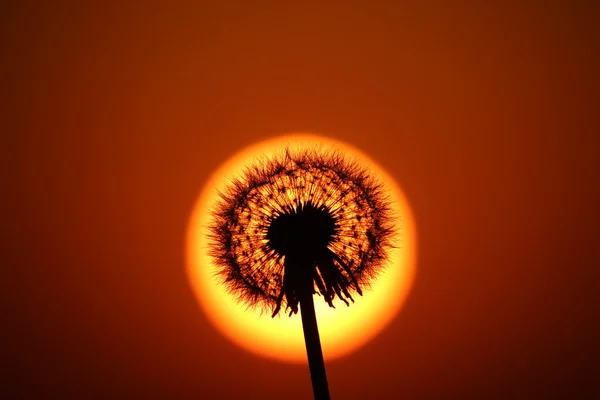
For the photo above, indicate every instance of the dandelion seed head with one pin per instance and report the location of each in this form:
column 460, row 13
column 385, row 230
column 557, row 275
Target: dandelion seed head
column 321, row 199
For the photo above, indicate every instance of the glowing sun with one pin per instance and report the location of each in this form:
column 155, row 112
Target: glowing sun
column 343, row 329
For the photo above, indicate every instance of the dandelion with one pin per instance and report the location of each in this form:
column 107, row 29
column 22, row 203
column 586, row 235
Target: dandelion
column 299, row 223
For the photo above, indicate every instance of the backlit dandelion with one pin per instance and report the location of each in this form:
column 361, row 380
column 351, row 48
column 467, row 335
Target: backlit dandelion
column 298, row 223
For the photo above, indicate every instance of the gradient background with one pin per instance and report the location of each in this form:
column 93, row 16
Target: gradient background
column 115, row 114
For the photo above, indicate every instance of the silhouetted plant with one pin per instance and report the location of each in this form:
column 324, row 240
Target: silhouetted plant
column 298, row 223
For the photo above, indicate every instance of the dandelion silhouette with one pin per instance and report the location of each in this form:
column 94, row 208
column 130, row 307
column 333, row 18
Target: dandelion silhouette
column 299, row 223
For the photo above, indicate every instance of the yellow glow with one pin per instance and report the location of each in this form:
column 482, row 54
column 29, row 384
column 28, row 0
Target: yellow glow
column 343, row 329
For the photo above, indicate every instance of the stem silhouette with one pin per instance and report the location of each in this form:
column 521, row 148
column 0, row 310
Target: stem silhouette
column 302, row 273
column 316, row 364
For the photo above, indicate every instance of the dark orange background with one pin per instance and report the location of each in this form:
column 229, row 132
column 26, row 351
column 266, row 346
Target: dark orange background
column 115, row 115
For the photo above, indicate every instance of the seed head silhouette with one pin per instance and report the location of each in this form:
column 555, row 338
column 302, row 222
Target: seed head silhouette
column 301, row 220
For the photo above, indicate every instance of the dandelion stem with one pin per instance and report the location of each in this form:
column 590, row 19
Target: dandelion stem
column 316, row 364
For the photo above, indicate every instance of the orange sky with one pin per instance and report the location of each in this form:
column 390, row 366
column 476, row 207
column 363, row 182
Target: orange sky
column 115, row 115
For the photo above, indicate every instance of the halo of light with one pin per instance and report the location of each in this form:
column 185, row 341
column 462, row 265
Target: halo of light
column 343, row 329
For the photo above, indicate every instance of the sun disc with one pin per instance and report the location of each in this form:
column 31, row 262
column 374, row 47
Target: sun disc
column 343, row 329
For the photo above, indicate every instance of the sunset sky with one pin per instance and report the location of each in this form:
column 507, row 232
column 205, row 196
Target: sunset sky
column 116, row 113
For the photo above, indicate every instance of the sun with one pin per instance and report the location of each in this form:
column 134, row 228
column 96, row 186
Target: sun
column 343, row 329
